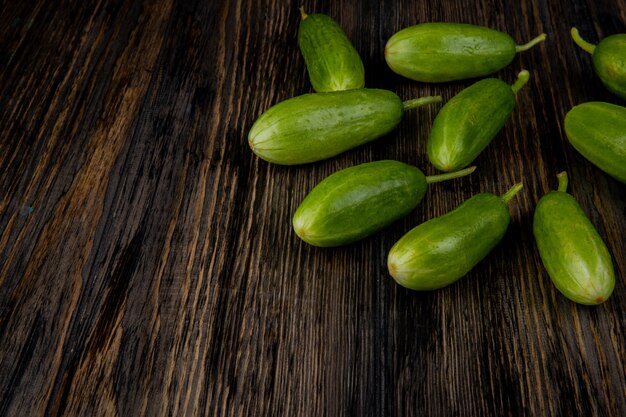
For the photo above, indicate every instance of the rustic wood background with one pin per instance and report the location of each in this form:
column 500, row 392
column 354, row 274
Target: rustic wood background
column 148, row 266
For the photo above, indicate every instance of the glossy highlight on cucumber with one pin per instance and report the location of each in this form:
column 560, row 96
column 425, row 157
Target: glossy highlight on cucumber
column 331, row 60
column 467, row 123
column 440, row 52
column 442, row 250
column 355, row 202
column 317, row 126
column 577, row 260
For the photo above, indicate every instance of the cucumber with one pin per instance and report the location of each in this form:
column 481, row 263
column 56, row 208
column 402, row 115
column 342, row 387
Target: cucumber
column 598, row 131
column 317, row 126
column 609, row 60
column 355, row 202
column 440, row 52
column 442, row 250
column 467, row 123
column 331, row 60
column 571, row 249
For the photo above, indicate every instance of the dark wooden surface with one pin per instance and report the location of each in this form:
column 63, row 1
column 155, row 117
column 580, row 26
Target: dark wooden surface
column 148, row 266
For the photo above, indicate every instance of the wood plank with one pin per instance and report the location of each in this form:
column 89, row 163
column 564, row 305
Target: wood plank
column 147, row 261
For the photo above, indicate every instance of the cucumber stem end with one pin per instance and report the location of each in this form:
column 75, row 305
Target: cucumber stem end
column 531, row 43
column 586, row 46
column 450, row 175
column 512, row 192
column 522, row 79
column 417, row 102
column 563, row 180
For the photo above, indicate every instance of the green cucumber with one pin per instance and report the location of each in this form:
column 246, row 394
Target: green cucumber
column 440, row 52
column 331, row 60
column 609, row 60
column 442, row 250
column 571, row 249
column 355, row 202
column 598, row 131
column 317, row 126
column 467, row 123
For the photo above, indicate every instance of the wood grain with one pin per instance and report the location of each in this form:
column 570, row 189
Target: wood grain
column 147, row 262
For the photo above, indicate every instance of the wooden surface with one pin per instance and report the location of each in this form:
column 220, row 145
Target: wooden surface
column 148, row 266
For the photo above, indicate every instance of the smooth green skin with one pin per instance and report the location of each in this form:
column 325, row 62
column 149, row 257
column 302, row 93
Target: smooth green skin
column 440, row 52
column 444, row 249
column 598, row 131
column 467, row 123
column 609, row 62
column 355, row 202
column 575, row 256
column 332, row 61
column 317, row 126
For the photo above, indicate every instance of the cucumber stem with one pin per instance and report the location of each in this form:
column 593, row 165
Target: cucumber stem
column 417, row 102
column 506, row 197
column 589, row 47
column 531, row 43
column 449, row 175
column 562, row 177
column 522, row 79
column 303, row 13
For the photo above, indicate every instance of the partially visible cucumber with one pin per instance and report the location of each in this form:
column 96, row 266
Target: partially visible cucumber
column 609, row 60
column 598, row 131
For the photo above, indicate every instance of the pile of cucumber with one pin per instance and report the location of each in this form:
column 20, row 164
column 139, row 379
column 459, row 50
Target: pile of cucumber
column 357, row 201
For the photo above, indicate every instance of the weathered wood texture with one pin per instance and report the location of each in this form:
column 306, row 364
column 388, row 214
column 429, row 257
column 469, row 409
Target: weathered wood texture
column 147, row 262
